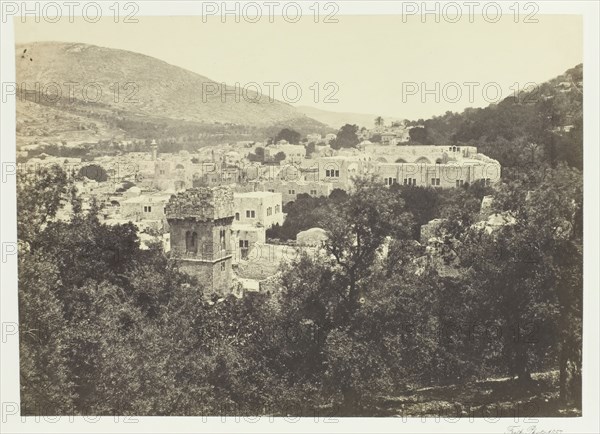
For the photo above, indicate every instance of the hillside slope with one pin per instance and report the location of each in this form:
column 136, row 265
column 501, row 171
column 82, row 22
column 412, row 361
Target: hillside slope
column 542, row 124
column 131, row 87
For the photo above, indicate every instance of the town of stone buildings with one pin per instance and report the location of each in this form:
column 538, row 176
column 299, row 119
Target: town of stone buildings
column 211, row 208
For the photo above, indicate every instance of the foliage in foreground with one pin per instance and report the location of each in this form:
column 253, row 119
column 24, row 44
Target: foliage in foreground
column 109, row 328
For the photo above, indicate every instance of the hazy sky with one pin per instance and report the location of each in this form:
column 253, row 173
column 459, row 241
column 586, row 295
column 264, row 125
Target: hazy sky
column 378, row 63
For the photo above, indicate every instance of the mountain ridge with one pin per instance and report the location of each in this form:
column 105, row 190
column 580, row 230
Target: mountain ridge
column 94, row 80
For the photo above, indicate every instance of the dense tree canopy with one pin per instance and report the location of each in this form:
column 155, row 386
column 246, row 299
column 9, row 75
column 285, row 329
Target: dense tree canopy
column 288, row 135
column 94, row 172
column 547, row 118
column 346, row 137
column 109, row 328
column 280, row 156
column 258, row 155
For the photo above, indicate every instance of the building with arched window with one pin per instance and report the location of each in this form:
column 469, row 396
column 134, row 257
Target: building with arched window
column 434, row 166
column 200, row 222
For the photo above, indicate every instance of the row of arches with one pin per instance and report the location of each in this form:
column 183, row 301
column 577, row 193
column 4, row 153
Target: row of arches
column 420, row 160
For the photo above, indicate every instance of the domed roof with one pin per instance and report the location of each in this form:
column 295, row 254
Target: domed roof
column 133, row 191
column 312, row 236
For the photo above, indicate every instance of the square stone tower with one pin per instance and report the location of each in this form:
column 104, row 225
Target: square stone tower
column 200, row 227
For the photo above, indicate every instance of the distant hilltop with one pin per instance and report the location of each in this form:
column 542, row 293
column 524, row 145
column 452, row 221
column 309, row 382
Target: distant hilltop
column 107, row 84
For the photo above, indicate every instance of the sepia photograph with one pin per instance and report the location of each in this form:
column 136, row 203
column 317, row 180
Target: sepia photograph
column 300, row 211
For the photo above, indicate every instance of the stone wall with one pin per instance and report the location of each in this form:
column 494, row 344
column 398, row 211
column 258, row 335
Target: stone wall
column 201, row 204
column 421, row 153
column 207, row 212
column 444, row 175
column 215, row 277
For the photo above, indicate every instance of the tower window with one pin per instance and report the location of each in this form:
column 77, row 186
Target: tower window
column 222, row 239
column 191, row 242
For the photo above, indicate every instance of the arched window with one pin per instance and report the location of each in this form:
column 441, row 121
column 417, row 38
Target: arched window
column 188, row 241
column 191, row 242
column 237, row 216
column 222, row 242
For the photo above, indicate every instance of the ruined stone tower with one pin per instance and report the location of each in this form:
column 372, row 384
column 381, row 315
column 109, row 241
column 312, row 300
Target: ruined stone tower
column 200, row 226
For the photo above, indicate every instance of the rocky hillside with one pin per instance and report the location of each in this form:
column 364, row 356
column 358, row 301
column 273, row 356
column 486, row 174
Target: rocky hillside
column 127, row 91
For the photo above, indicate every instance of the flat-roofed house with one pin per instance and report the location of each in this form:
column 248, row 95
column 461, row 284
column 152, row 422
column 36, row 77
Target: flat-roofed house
column 258, row 207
